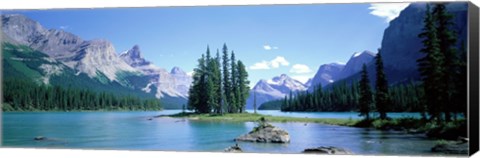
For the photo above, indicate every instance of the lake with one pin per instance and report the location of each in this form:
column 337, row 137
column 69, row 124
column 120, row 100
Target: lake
column 133, row 131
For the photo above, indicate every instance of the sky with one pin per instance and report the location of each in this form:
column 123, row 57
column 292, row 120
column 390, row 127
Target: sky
column 269, row 39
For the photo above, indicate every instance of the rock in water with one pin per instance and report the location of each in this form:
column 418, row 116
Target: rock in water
column 266, row 134
column 40, row 138
column 234, row 149
column 327, row 150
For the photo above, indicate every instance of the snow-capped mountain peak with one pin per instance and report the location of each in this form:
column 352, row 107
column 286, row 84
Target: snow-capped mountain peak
column 365, row 53
column 177, row 70
column 134, row 57
column 275, row 88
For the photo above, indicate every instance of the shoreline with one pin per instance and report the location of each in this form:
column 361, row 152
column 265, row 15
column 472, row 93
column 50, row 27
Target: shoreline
column 251, row 117
column 445, row 131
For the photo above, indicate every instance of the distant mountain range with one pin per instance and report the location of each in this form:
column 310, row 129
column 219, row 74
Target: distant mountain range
column 329, row 73
column 281, row 86
column 276, row 88
column 97, row 59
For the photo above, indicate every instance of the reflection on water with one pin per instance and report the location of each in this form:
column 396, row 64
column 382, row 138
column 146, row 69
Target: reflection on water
column 133, row 130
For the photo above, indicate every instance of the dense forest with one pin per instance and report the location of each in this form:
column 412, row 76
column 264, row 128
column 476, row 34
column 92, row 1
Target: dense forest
column 219, row 85
column 441, row 93
column 345, row 97
column 25, row 95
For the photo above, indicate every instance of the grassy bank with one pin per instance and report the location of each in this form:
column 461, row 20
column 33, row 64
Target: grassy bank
column 445, row 130
column 250, row 117
column 450, row 131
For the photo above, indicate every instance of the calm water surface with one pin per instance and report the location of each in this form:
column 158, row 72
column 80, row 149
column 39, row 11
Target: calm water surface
column 133, row 131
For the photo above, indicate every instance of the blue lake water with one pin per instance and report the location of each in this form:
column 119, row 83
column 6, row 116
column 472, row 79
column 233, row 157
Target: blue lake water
column 133, row 131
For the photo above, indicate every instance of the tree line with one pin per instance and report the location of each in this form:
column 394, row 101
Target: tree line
column 441, row 93
column 220, row 85
column 26, row 95
column 353, row 96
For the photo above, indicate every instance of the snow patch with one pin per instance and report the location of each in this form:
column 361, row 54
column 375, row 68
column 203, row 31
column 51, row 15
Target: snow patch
column 49, row 71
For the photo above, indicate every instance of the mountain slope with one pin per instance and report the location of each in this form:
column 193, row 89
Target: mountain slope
column 174, row 83
column 326, row 74
column 330, row 73
column 276, row 88
column 23, row 62
column 92, row 60
column 401, row 45
column 87, row 57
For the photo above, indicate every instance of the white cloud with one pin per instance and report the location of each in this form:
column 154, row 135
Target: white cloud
column 190, row 73
column 389, row 11
column 302, row 78
column 64, row 27
column 264, row 65
column 268, row 47
column 275, row 63
column 300, row 69
column 279, row 60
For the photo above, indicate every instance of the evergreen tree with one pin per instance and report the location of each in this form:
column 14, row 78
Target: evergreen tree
column 217, row 75
column 431, row 67
column 198, row 99
column 243, row 85
column 226, row 78
column 210, row 82
column 447, row 41
column 365, row 94
column 381, row 87
column 461, row 83
column 234, row 93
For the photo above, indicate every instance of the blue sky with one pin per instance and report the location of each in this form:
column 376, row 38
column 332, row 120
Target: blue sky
column 270, row 40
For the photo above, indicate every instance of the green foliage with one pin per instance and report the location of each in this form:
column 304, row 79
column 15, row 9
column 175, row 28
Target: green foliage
column 250, row 117
column 25, row 95
column 243, row 86
column 441, row 68
column 271, row 105
column 381, row 87
column 366, row 100
column 207, row 94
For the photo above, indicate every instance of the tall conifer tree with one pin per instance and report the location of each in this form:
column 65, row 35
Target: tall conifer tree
column 365, row 94
column 381, row 87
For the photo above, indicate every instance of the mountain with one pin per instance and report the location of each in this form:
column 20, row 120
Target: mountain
column 182, row 80
column 96, row 58
column 23, row 63
column 276, row 88
column 355, row 63
column 330, row 73
column 401, row 45
column 174, row 83
column 93, row 62
column 309, row 82
column 326, row 74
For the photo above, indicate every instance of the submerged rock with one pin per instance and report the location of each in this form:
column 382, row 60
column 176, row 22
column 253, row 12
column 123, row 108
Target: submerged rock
column 234, row 149
column 266, row 133
column 327, row 150
column 40, row 138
